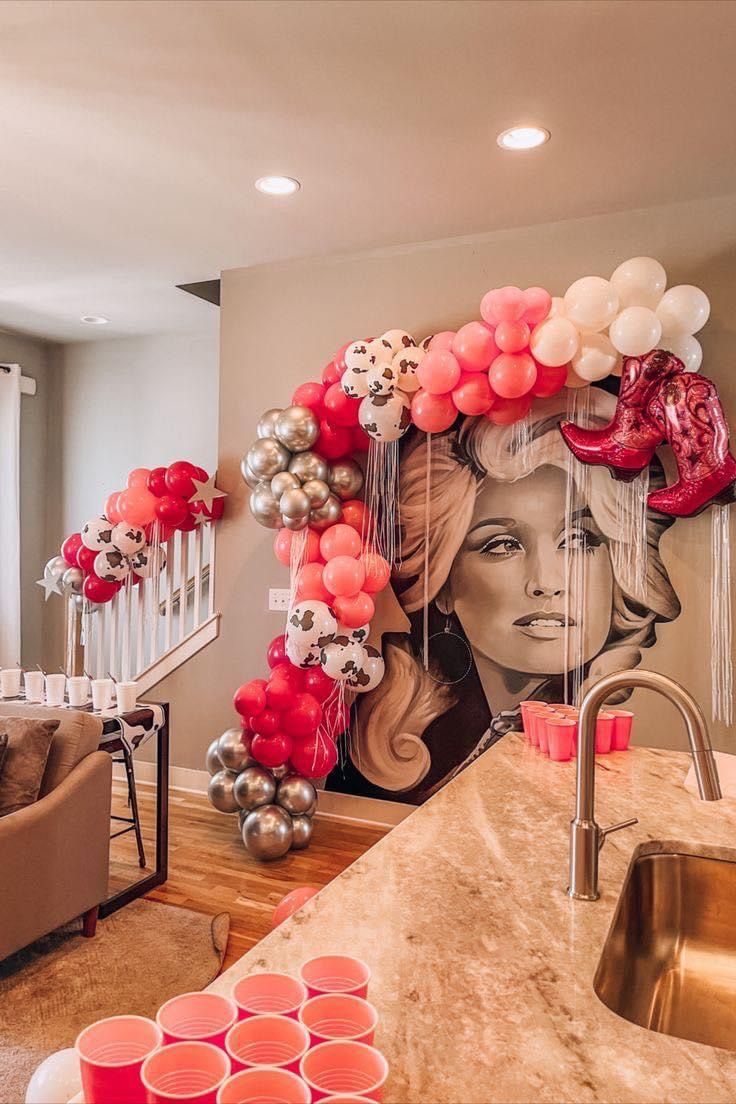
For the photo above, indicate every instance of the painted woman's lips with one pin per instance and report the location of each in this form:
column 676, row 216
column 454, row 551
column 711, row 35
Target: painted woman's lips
column 545, row 620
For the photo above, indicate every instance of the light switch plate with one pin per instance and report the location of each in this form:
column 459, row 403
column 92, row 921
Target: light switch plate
column 278, row 599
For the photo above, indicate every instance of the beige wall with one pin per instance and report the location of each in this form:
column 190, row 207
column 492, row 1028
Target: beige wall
column 281, row 323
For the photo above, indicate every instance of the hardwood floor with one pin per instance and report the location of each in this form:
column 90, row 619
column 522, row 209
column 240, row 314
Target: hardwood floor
column 210, row 870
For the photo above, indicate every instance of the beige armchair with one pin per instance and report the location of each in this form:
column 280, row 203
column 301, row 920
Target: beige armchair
column 54, row 854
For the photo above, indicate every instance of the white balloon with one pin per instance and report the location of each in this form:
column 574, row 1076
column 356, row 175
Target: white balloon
column 385, row 418
column 635, row 331
column 639, row 282
column 310, row 624
column 684, row 346
column 357, row 361
column 684, row 308
column 339, row 661
column 591, row 303
column 128, row 539
column 554, row 342
column 397, row 339
column 557, row 309
column 405, row 364
column 382, row 379
column 97, row 534
column 595, row 359
column 56, row 1079
column 112, row 566
column 573, row 379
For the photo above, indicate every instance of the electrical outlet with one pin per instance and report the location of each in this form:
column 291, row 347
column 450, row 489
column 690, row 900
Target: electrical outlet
column 278, row 599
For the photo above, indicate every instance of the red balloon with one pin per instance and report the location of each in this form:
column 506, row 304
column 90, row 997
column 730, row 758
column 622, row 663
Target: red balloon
column 266, row 723
column 137, row 505
column 549, row 380
column 377, row 572
column 282, row 547
column 97, row 590
column 189, row 524
column 343, row 575
column 279, row 694
column 213, row 512
column 333, row 442
column 311, row 395
column 310, row 584
column 336, row 718
column 271, row 751
column 340, row 409
column 361, row 440
column 171, row 510
column 473, row 394
column 331, row 374
column 70, row 548
column 291, row 903
column 355, row 514
column 314, row 757
column 180, row 478
column 304, row 716
column 138, row 478
column 318, row 684
column 86, row 559
column 354, row 611
column 432, row 413
column 276, row 652
column 250, row 698
column 156, row 482
column 339, row 540
column 111, row 511
column 339, row 358
column 507, row 411
column 156, row 530
column 287, row 672
column 512, row 375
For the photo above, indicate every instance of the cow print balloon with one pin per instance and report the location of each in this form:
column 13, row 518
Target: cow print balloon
column 369, row 671
column 405, row 365
column 340, row 659
column 112, row 566
column 396, row 340
column 148, row 562
column 128, row 539
column 382, row 379
column 357, row 363
column 310, row 624
column 354, row 636
column 302, row 657
column 97, row 534
column 385, row 417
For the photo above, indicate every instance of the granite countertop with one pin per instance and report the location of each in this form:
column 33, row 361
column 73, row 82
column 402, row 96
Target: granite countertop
column 482, row 966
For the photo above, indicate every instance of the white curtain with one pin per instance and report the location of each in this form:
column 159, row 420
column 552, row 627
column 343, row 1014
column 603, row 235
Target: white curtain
column 10, row 516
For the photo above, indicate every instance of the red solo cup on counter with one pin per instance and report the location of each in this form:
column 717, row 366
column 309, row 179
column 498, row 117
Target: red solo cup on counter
column 561, row 737
column 603, row 733
column 262, row 1084
column 268, row 1040
column 111, row 1054
column 343, row 1099
column 339, row 1016
column 543, row 720
column 345, row 1067
column 197, row 1017
column 259, row 994
column 336, row 974
column 527, row 708
column 536, row 712
column 187, row 1073
column 623, row 719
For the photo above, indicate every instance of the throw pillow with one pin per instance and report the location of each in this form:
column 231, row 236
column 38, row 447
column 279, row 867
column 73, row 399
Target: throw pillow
column 28, row 744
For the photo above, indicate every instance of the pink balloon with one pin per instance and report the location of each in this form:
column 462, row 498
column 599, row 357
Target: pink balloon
column 508, row 411
column 310, row 585
column 512, row 375
column 343, row 576
column 291, row 903
column 137, row 505
column 138, row 477
column 439, row 372
column 504, row 304
column 432, row 413
column 339, row 540
column 355, row 610
column 377, row 572
column 512, row 337
column 442, row 340
column 537, row 303
column 474, row 347
column 473, row 394
column 282, row 546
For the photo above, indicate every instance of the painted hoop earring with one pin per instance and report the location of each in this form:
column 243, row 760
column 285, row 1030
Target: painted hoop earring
column 458, row 663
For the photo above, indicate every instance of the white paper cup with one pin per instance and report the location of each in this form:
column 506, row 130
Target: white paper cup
column 77, row 688
column 126, row 694
column 33, row 681
column 55, row 687
column 10, row 682
column 101, row 693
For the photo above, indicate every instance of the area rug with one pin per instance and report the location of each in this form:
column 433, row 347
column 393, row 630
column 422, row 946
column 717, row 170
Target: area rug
column 141, row 955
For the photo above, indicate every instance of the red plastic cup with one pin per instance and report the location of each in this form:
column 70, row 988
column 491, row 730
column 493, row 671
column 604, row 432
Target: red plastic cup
column 543, row 720
column 197, row 1017
column 264, row 1086
column 345, row 1067
column 260, row 994
column 269, row 1040
column 343, row 1099
column 561, row 736
column 184, row 1072
column 527, row 708
column 623, row 719
column 336, row 974
column 339, row 1016
column 603, row 733
column 111, row 1053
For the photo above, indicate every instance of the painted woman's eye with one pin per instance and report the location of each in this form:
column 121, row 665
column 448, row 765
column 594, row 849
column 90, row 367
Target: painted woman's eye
column 501, row 545
column 580, row 540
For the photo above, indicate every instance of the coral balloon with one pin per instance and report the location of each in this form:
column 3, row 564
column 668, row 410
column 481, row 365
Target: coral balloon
column 272, row 751
column 156, row 482
column 508, row 411
column 138, row 477
column 276, row 652
column 512, row 337
column 512, row 375
column 340, row 409
column 303, row 718
column 377, row 572
column 291, row 903
column 311, row 395
column 355, row 610
column 137, row 505
column 549, row 381
column 506, row 304
column 333, row 442
column 180, row 478
column 473, row 394
column 314, row 757
column 279, row 694
column 537, row 304
column 474, row 347
column 343, row 575
column 432, row 413
column 310, row 584
column 355, row 514
column 438, row 372
column 265, row 723
column 442, row 340
column 70, row 548
column 282, row 546
column 111, row 511
column 317, row 683
column 98, row 590
column 339, row 540
column 250, row 698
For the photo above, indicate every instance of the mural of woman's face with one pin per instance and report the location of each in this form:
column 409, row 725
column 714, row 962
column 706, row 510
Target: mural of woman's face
column 507, row 583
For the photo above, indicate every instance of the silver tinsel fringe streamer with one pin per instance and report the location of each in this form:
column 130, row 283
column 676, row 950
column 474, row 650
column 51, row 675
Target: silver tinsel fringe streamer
column 721, row 628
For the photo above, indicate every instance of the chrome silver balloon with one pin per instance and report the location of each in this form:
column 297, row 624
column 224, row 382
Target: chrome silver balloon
column 72, row 580
column 267, row 833
column 295, row 524
column 297, row 428
column 317, row 491
column 279, row 772
column 56, row 566
column 296, row 794
column 345, row 479
column 264, row 507
column 254, row 786
column 308, row 465
column 233, row 752
column 267, row 422
column 249, row 477
column 301, row 832
column 325, row 516
column 220, row 791
column 266, row 457
column 212, row 760
column 312, row 809
column 295, row 503
column 282, row 482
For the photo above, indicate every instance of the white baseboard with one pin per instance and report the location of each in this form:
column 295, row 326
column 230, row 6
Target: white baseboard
column 332, row 806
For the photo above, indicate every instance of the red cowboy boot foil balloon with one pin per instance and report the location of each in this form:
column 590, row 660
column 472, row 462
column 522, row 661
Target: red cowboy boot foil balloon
column 696, row 429
column 626, row 446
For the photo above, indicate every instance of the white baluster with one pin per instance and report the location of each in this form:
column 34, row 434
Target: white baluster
column 198, row 542
column 114, row 634
column 101, row 629
column 169, row 592
column 125, row 649
column 141, row 615
column 212, row 569
column 183, row 580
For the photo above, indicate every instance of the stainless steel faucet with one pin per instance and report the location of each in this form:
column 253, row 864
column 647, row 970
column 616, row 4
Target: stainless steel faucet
column 586, row 837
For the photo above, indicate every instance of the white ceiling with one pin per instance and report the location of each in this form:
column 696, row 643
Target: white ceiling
column 132, row 133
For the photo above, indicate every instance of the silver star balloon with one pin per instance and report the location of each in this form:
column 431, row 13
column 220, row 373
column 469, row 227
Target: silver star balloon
column 51, row 583
column 206, row 492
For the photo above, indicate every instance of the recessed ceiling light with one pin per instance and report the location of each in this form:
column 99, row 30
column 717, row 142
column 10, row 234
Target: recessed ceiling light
column 94, row 320
column 277, row 185
column 522, row 138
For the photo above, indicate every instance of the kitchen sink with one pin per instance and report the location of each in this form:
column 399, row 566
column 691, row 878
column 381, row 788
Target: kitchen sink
column 669, row 961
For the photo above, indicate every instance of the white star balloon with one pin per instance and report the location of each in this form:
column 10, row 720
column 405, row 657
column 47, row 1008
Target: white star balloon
column 206, row 492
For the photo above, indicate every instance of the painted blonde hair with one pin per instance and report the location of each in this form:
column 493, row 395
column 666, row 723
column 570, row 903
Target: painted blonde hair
column 388, row 748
